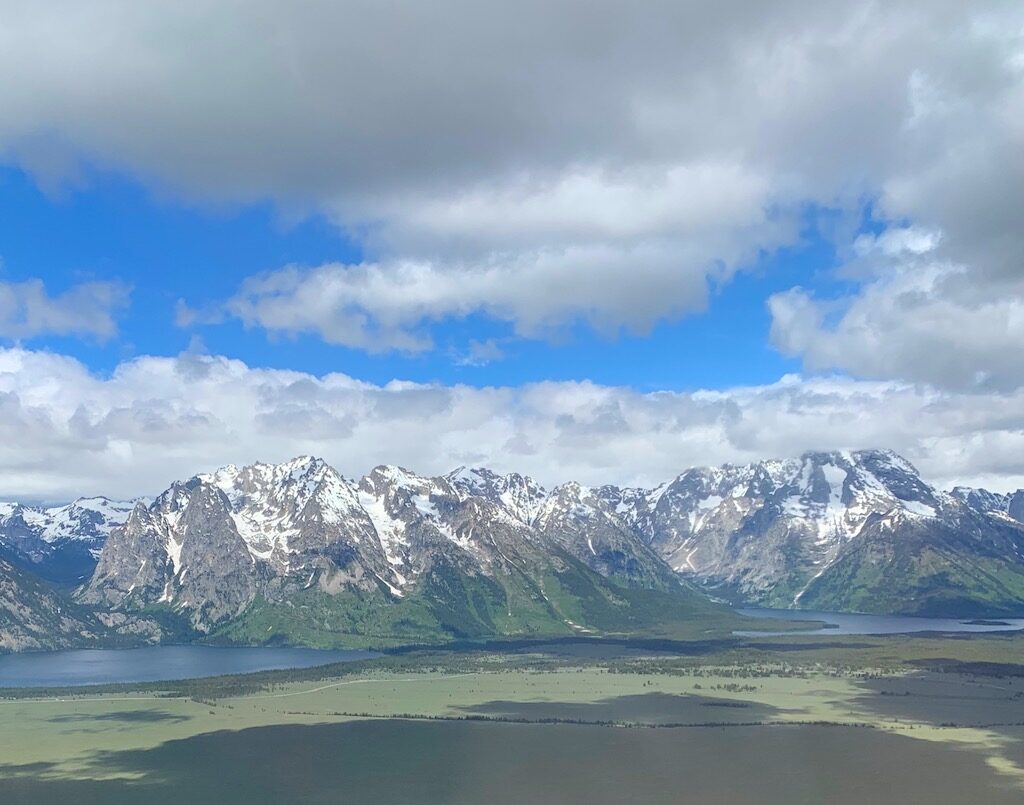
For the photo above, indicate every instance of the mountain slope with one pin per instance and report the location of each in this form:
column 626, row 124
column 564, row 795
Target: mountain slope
column 33, row 616
column 954, row 566
column 855, row 531
column 297, row 552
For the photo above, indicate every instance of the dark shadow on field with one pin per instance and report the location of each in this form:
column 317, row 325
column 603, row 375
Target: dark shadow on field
column 127, row 716
column 974, row 668
column 407, row 762
column 995, row 704
column 643, row 708
column 950, row 699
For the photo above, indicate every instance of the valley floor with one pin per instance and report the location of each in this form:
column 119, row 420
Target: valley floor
column 792, row 720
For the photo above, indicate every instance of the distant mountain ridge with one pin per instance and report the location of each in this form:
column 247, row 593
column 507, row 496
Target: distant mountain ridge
column 293, row 550
column 1010, row 504
column 858, row 531
column 61, row 543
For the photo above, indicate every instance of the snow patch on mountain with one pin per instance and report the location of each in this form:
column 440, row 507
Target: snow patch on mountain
column 390, row 532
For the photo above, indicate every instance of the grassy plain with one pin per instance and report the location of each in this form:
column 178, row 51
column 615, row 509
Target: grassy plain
column 960, row 697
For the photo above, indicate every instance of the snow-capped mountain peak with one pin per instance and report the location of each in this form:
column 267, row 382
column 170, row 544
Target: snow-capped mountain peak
column 518, row 494
column 770, row 531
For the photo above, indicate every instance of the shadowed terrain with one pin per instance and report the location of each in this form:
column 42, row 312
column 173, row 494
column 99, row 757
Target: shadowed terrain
column 411, row 762
column 646, row 708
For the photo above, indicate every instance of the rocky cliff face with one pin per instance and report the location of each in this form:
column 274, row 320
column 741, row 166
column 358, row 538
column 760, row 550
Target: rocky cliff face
column 597, row 533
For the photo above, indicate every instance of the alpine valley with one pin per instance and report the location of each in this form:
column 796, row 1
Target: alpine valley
column 296, row 553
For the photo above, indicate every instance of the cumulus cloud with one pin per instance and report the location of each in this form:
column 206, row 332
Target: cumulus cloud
column 27, row 310
column 381, row 306
column 897, row 241
column 922, row 323
column 612, row 251
column 65, row 432
column 940, row 301
column 516, row 156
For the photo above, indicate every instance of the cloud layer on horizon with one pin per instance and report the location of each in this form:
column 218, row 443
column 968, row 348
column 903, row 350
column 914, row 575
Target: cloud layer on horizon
column 65, row 432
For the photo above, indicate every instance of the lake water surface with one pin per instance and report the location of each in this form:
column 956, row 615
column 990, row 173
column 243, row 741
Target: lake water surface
column 848, row 624
column 156, row 664
column 161, row 663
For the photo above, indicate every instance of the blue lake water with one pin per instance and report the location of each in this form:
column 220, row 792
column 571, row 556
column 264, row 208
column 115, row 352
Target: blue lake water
column 156, row 663
column 161, row 663
column 847, row 624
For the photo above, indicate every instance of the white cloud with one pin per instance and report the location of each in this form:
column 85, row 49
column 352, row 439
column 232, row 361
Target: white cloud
column 897, row 241
column 481, row 353
column 589, row 204
column 28, row 311
column 64, row 431
column 940, row 301
column 516, row 156
column 382, row 306
column 926, row 322
column 612, row 251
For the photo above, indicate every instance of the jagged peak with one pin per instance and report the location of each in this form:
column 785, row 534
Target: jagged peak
column 857, row 458
column 389, row 478
column 826, row 456
column 91, row 499
column 471, row 474
column 303, row 460
column 476, row 477
column 394, row 475
column 977, row 492
column 572, row 489
column 173, row 494
column 140, row 514
column 221, row 474
column 300, row 465
column 883, row 456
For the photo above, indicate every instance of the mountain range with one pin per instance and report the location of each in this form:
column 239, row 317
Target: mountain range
column 297, row 553
column 61, row 543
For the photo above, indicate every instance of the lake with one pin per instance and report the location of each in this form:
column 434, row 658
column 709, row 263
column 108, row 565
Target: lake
column 844, row 623
column 156, row 664
column 162, row 663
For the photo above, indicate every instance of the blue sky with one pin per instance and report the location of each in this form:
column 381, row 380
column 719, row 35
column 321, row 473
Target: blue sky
column 578, row 240
column 166, row 249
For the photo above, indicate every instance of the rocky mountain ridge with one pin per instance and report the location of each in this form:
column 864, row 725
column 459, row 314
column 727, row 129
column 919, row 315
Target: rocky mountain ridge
column 1010, row 504
column 295, row 549
column 787, row 533
column 61, row 543
column 214, row 545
